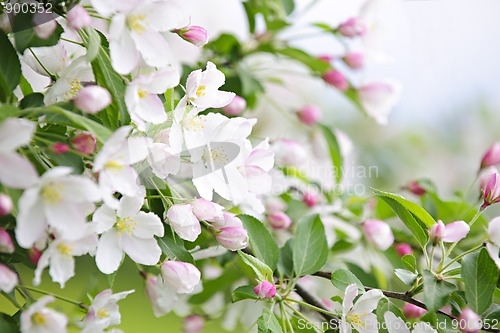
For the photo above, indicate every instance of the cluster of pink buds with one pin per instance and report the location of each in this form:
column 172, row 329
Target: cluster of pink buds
column 265, row 289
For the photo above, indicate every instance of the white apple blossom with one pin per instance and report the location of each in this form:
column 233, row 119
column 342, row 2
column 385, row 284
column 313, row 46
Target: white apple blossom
column 8, row 279
column 70, row 81
column 184, row 222
column 60, row 254
column 202, row 89
column 128, row 230
column 141, row 96
column 397, row 325
column 162, row 296
column 40, row 319
column 135, row 31
column 182, row 276
column 379, row 98
column 54, row 59
column 114, row 164
column 493, row 246
column 359, row 316
column 104, row 311
column 58, row 200
column 15, row 170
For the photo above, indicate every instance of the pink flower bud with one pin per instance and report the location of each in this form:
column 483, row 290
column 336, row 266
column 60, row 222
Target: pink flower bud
column 194, row 34
column 354, row 60
column 78, row 18
column 279, row 220
column 378, row 233
column 44, row 25
column 34, row 255
column 404, row 249
column 8, row 279
column 310, row 199
column 275, row 204
column 484, row 175
column 232, row 238
column 183, row 276
column 492, row 156
column 309, row 114
column 289, row 152
column 205, row 210
column 353, row 27
column 228, row 220
column 491, row 191
column 336, row 79
column 265, row 289
column 6, row 204
column 469, row 321
column 415, row 188
column 326, row 58
column 236, row 107
column 452, row 232
column 412, row 311
column 378, row 99
column 92, row 99
column 84, row 143
column 193, row 324
column 6, row 244
column 59, row 148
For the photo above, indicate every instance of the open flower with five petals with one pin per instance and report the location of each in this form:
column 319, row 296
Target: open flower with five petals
column 359, row 315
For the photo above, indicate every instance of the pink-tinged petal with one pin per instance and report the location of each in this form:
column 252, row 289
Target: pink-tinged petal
column 43, row 263
column 350, row 294
column 395, row 324
column 31, row 224
column 15, row 133
column 149, row 225
column 8, row 279
column 109, row 252
column 104, row 219
column 165, row 16
column 153, row 47
column 217, row 99
column 367, row 302
column 16, row 171
column 129, row 206
column 142, row 251
column 150, row 109
column 124, row 54
column 259, row 181
column 455, row 231
column 261, row 158
column 62, row 267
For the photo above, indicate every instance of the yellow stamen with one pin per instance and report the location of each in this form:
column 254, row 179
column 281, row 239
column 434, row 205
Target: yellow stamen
column 52, row 193
column 201, row 91
column 193, row 124
column 356, row 320
column 64, row 249
column 142, row 93
column 75, row 86
column 113, row 165
column 38, row 319
column 102, row 313
column 126, row 225
column 137, row 23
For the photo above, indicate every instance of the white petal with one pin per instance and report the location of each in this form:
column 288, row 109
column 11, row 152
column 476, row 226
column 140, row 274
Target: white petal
column 129, row 206
column 104, row 219
column 142, row 251
column 150, row 109
column 43, row 263
column 62, row 268
column 137, row 149
column 494, row 231
column 370, row 324
column 149, row 225
column 494, row 250
column 165, row 15
column 67, row 218
column 15, row 133
column 395, row 324
column 31, row 223
column 367, row 302
column 79, row 189
column 152, row 47
column 350, row 294
column 423, row 327
column 109, row 252
column 125, row 181
column 124, row 55
column 160, row 81
column 16, row 171
column 85, row 245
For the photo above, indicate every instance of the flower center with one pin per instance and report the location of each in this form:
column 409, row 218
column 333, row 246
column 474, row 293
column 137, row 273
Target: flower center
column 64, row 249
column 75, row 86
column 126, row 225
column 113, row 165
column 193, row 124
column 142, row 93
column 356, row 320
column 52, row 193
column 217, row 156
column 102, row 313
column 201, row 91
column 38, row 319
column 137, row 23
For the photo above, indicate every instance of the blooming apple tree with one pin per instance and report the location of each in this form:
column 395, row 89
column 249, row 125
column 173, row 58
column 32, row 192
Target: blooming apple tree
column 110, row 150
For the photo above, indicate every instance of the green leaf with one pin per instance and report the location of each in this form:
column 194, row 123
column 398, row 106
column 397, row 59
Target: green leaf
column 69, row 159
column 173, row 247
column 493, row 313
column 385, row 305
column 436, row 292
column 407, row 277
column 8, row 110
column 409, row 262
column 315, row 64
column 480, row 275
column 111, row 279
column 33, row 100
column 268, row 323
column 10, row 68
column 262, row 271
column 7, row 324
column 416, row 219
column 242, row 293
column 288, row 5
column 342, row 278
column 335, row 152
column 310, row 249
column 26, row 37
column 285, row 263
column 262, row 243
column 116, row 114
column 93, row 43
